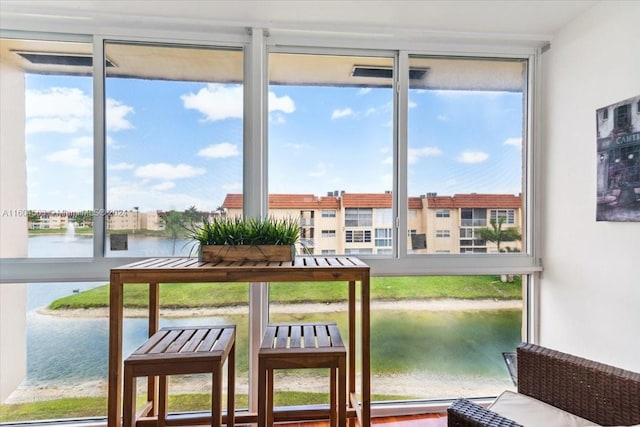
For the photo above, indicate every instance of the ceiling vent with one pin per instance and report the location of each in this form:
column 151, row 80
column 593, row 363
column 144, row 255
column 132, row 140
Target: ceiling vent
column 68, row 59
column 385, row 72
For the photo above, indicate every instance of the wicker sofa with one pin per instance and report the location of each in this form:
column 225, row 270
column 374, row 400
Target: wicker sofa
column 600, row 393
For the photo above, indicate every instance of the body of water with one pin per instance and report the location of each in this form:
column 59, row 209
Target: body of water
column 79, row 245
column 71, row 350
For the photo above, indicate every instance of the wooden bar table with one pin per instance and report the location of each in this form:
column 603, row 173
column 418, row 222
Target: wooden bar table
column 189, row 270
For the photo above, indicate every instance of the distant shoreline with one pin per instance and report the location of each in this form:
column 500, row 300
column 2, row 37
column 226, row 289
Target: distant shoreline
column 446, row 304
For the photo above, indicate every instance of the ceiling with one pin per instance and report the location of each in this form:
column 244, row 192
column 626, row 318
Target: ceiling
column 538, row 19
column 510, row 20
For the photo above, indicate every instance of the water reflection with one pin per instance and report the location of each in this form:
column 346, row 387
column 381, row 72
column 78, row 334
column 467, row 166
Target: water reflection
column 414, row 353
column 75, row 245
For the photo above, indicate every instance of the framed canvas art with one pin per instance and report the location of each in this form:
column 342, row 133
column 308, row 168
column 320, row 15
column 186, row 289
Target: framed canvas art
column 618, row 159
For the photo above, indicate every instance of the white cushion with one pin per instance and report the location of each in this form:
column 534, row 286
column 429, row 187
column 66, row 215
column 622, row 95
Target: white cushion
column 531, row 412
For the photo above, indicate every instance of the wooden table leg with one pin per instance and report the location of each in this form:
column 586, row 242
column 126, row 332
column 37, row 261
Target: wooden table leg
column 351, row 364
column 154, row 324
column 114, row 395
column 366, row 350
column 231, row 386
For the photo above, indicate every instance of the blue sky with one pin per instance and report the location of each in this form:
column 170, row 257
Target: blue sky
column 171, row 145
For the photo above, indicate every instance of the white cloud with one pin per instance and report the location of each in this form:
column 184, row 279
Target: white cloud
column 364, row 91
column 219, row 102
column 69, row 110
column 121, row 166
column 70, row 157
column 472, row 157
column 415, row 154
column 216, row 101
column 117, row 113
column 442, row 118
column 167, row 172
column 282, row 103
column 58, row 125
column 220, row 151
column 168, row 185
column 370, row 111
column 82, row 142
column 338, row 114
column 59, row 102
column 388, row 160
column 514, row 142
column 412, row 105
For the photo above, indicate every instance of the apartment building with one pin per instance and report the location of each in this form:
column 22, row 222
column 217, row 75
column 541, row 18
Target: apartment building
column 362, row 223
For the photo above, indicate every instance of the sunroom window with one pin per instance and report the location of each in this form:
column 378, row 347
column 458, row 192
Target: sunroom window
column 338, row 150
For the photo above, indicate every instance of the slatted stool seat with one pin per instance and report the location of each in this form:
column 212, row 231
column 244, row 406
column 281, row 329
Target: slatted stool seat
column 181, row 351
column 302, row 345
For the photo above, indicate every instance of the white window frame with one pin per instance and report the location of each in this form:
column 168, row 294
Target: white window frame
column 256, row 43
column 443, row 234
column 361, row 214
column 509, row 215
column 357, row 236
column 328, row 233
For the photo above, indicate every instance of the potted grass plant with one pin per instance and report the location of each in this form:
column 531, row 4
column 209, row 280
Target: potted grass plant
column 246, row 239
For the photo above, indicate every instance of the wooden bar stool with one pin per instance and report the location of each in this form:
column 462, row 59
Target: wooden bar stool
column 302, row 345
column 179, row 351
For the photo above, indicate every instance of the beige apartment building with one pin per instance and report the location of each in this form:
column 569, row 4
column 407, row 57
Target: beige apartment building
column 50, row 220
column 359, row 223
column 116, row 220
column 362, row 223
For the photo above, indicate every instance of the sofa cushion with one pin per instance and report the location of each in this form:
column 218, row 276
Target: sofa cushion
column 531, row 412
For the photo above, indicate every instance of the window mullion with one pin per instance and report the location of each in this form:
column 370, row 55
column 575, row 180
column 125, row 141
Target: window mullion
column 400, row 209
column 99, row 158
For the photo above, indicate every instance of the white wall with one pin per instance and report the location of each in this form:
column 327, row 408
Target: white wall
column 13, row 228
column 590, row 289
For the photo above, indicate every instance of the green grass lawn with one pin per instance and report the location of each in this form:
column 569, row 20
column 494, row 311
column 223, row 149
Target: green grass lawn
column 173, row 295
column 80, row 407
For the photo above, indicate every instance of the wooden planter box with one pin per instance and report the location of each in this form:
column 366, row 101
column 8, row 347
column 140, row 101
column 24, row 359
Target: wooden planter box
column 217, row 253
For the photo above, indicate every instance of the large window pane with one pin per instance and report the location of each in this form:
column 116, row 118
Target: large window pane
column 67, row 332
column 331, row 147
column 47, row 113
column 443, row 336
column 174, row 143
column 330, row 150
column 466, row 131
column 431, row 337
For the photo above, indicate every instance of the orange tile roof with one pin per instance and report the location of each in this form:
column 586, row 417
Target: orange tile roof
column 232, row 201
column 474, row 200
column 287, row 201
column 367, row 200
column 414, row 203
column 380, row 200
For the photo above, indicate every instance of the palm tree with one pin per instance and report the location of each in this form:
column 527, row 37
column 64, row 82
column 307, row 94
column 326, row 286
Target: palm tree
column 84, row 219
column 33, row 217
column 174, row 225
column 137, row 209
column 497, row 234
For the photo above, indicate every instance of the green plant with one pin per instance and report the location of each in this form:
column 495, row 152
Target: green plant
column 498, row 234
column 246, row 231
